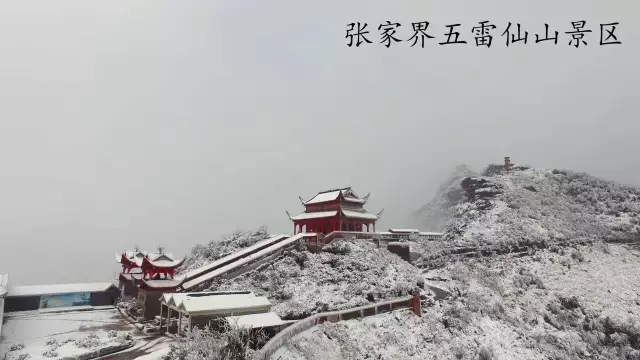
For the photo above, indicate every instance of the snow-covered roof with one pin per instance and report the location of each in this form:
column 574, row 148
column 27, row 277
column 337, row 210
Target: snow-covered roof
column 130, row 276
column 404, row 230
column 175, row 299
column 166, row 297
column 36, row 290
column 359, row 215
column 426, row 233
column 163, row 283
column 314, row 215
column 327, row 214
column 255, row 321
column 136, row 257
column 332, row 195
column 223, row 304
column 161, row 256
column 160, row 263
column 133, row 253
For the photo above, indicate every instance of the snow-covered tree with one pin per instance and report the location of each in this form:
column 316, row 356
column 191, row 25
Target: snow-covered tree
column 203, row 254
column 232, row 343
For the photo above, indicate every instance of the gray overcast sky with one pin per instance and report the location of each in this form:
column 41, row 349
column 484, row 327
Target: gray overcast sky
column 175, row 122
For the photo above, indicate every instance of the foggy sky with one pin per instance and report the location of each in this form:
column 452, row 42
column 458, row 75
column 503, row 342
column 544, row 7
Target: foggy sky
column 174, row 122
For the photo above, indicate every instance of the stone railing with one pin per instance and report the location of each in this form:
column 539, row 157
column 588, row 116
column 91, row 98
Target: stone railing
column 407, row 302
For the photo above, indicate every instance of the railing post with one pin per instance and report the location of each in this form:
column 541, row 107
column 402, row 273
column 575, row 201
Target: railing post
column 417, row 308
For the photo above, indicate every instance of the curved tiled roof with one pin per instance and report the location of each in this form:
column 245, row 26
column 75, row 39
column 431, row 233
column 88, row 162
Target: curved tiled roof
column 332, row 195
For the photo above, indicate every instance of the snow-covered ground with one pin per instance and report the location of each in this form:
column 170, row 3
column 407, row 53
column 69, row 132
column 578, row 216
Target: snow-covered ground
column 156, row 355
column 348, row 273
column 580, row 304
column 65, row 334
column 563, row 291
column 536, row 208
column 571, row 296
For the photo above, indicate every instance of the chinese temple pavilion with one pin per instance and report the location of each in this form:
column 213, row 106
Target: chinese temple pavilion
column 335, row 210
column 151, row 265
column 146, row 275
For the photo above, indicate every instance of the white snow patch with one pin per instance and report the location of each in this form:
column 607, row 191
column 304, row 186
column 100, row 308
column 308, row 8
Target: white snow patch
column 60, row 332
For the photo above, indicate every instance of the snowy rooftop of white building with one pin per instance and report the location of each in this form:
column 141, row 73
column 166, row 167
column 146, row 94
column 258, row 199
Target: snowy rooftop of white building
column 175, row 299
column 212, row 305
column 404, row 231
column 35, row 290
column 255, row 321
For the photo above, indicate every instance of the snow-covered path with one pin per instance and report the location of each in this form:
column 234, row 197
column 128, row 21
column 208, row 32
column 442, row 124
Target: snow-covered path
column 144, row 348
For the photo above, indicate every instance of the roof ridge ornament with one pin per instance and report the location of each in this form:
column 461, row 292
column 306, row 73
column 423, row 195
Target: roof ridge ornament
column 302, row 200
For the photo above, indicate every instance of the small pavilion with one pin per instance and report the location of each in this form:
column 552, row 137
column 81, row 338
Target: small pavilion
column 154, row 274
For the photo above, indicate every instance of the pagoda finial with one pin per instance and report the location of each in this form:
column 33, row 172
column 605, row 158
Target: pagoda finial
column 160, row 249
column 303, row 201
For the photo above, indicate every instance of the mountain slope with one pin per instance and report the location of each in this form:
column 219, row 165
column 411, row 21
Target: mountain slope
column 434, row 215
column 347, row 273
column 569, row 296
column 583, row 304
column 538, row 207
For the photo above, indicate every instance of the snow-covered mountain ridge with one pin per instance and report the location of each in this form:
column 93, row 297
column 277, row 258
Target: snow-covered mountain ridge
column 535, row 207
column 574, row 297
